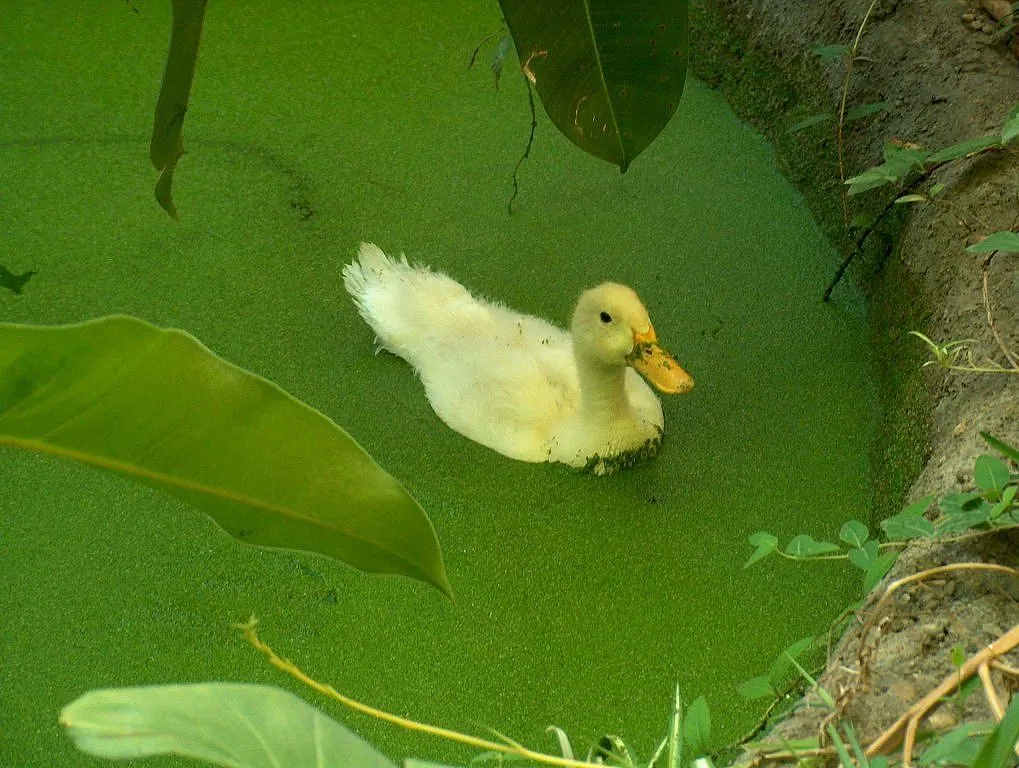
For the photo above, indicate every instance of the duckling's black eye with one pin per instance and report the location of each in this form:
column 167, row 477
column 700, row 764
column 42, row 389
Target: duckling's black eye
column 606, row 317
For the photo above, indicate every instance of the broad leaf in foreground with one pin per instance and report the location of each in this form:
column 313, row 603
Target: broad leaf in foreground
column 156, row 406
column 228, row 724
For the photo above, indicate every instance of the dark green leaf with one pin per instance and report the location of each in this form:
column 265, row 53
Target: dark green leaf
column 828, row 52
column 610, row 75
column 1001, row 446
column 765, row 543
column 881, row 565
column 865, row 110
column 805, row 546
column 903, row 527
column 784, row 660
column 166, row 146
column 1011, row 128
column 757, row 688
column 807, row 122
column 227, row 724
column 997, row 750
column 999, row 241
column 990, row 474
column 156, row 406
column 697, row 727
column 964, row 148
column 854, row 533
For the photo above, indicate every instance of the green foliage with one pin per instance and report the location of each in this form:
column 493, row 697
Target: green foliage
column 227, row 724
column 992, row 505
column 771, row 684
column 166, row 146
column 157, row 407
column 998, row 241
column 610, row 75
column 687, row 738
column 905, row 164
column 998, row 750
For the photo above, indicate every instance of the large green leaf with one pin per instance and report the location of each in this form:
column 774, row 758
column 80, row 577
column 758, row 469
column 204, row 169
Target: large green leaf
column 156, row 406
column 166, row 146
column 609, row 72
column 229, row 724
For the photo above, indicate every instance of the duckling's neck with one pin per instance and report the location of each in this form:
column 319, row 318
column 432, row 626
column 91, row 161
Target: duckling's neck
column 603, row 391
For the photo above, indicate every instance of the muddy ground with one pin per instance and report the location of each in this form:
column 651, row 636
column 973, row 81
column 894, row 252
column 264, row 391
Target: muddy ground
column 947, row 74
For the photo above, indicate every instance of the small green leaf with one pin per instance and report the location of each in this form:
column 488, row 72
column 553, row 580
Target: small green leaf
column 964, row 149
column 957, row 503
column 964, row 519
column 1001, row 446
column 990, row 474
column 757, row 688
column 881, row 565
column 910, row 199
column 674, row 738
column 864, row 557
column 870, row 179
column 785, row 659
column 999, row 241
column 865, row 110
column 937, row 189
column 697, row 727
column 227, row 724
column 880, row 761
column 903, row 527
column 1011, row 128
column 854, row 533
column 807, row 122
column 829, row 52
column 958, row 655
column 565, row 748
column 918, row 507
column 805, row 546
column 765, row 543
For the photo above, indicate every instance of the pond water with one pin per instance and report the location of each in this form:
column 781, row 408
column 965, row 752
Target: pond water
column 580, row 601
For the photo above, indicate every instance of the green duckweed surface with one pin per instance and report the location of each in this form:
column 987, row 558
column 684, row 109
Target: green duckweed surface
column 580, row 601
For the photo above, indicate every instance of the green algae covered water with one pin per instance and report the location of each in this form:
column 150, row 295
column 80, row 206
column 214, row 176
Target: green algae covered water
column 581, row 601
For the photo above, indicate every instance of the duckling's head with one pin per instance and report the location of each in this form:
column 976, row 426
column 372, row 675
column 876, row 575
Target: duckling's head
column 611, row 329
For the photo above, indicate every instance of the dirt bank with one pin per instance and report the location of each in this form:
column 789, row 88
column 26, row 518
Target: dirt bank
column 944, row 78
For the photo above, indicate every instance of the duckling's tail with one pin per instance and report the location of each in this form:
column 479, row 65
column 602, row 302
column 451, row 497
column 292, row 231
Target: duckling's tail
column 399, row 301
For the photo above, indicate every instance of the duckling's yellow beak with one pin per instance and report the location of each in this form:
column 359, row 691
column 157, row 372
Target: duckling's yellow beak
column 655, row 364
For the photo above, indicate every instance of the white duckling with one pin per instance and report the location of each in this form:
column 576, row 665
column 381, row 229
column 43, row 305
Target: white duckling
column 519, row 384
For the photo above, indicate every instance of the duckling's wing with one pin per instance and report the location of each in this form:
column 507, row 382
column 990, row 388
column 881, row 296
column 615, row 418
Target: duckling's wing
column 501, row 378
